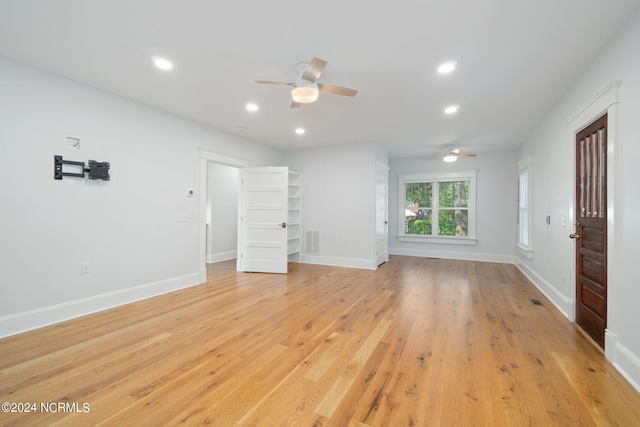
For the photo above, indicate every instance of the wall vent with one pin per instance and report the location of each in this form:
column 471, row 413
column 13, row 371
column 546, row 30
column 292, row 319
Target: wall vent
column 312, row 242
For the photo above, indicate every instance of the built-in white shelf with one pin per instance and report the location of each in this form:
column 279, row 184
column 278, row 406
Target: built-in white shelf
column 293, row 220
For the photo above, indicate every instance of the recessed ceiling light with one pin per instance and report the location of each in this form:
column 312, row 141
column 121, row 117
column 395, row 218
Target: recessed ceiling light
column 162, row 63
column 447, row 67
column 451, row 109
column 299, row 131
column 252, row 106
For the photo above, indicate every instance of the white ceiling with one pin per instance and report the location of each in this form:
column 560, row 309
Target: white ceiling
column 515, row 58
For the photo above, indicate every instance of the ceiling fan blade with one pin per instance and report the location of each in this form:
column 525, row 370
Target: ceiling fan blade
column 314, row 69
column 294, row 104
column 271, row 82
column 336, row 90
column 458, row 152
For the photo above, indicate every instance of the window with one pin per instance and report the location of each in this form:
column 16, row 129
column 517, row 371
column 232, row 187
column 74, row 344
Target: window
column 438, row 208
column 525, row 200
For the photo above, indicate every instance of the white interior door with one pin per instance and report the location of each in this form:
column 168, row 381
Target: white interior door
column 382, row 208
column 263, row 219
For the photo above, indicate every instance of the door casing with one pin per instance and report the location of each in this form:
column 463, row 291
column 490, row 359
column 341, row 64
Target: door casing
column 206, row 157
column 591, row 229
column 606, row 100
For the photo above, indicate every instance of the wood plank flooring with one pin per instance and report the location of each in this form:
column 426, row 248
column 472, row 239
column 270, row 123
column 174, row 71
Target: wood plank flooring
column 419, row 342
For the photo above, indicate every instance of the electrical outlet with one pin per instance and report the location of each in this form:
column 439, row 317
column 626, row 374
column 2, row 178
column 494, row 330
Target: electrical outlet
column 84, row 268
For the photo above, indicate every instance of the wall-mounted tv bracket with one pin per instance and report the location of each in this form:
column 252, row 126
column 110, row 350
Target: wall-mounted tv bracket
column 96, row 170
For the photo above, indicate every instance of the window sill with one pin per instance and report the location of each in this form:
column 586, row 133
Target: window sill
column 525, row 251
column 439, row 240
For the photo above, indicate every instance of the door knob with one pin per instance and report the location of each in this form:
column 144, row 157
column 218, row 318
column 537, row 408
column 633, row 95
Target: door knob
column 574, row 236
column 283, row 225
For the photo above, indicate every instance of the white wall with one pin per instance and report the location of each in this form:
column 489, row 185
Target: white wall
column 552, row 146
column 497, row 193
column 338, row 199
column 127, row 228
column 222, row 212
column 382, row 154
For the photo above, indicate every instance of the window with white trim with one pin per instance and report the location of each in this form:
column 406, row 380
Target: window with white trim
column 438, row 208
column 525, row 205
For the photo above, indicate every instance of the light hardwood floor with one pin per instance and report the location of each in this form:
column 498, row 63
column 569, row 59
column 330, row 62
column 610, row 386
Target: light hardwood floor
column 419, row 342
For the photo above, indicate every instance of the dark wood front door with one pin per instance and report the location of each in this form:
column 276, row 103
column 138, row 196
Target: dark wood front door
column 591, row 229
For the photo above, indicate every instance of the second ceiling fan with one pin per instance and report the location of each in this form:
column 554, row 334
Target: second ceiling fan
column 452, row 155
column 306, row 87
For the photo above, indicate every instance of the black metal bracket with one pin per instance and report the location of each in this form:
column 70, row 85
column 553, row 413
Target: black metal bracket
column 57, row 168
column 96, row 170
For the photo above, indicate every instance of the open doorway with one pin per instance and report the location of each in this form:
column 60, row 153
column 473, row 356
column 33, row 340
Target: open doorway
column 207, row 201
column 222, row 212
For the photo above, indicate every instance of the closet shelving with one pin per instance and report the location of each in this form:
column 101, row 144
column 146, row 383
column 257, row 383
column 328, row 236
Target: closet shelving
column 293, row 216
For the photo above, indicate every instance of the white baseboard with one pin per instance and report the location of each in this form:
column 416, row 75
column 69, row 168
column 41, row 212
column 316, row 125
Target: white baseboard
column 624, row 361
column 222, row 256
column 371, row 264
column 463, row 256
column 368, row 264
column 33, row 319
column 562, row 303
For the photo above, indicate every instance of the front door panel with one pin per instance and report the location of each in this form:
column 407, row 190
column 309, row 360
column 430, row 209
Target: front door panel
column 591, row 229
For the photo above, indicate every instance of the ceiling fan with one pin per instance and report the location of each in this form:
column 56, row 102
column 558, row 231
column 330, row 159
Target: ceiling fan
column 306, row 86
column 453, row 153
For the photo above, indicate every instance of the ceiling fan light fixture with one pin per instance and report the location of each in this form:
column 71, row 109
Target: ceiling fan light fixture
column 305, row 94
column 450, row 158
